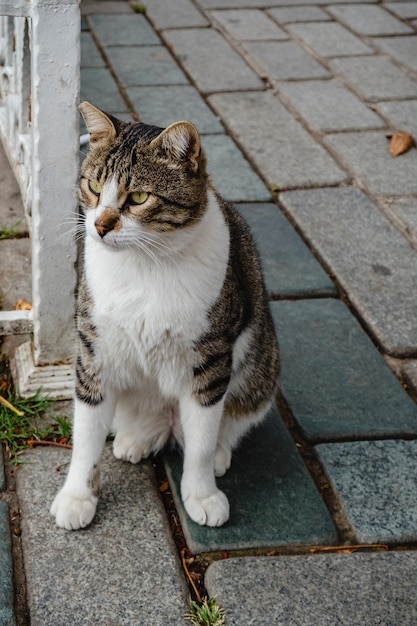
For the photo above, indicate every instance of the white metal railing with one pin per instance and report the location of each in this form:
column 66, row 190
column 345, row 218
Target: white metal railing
column 39, row 92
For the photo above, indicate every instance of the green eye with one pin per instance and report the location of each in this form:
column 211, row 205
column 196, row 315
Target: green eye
column 138, row 197
column 95, row 187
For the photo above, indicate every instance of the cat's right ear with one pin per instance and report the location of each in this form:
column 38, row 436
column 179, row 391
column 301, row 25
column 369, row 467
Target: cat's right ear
column 101, row 127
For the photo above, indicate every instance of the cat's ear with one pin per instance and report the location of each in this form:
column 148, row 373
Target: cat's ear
column 100, row 125
column 181, row 142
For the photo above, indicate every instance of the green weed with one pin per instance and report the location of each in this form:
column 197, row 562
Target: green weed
column 10, row 233
column 206, row 614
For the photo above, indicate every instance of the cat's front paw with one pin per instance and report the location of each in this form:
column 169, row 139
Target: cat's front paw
column 212, row 510
column 72, row 512
column 127, row 448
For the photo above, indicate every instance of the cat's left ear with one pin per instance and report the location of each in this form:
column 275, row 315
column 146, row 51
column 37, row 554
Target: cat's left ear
column 101, row 126
column 180, row 141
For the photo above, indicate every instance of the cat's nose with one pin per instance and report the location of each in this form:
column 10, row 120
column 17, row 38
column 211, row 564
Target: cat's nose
column 105, row 223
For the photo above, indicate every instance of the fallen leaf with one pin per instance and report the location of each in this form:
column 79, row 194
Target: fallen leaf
column 400, row 142
column 22, row 305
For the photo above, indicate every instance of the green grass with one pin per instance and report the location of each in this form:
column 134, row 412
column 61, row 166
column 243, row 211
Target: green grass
column 25, row 425
column 208, row 613
column 10, row 233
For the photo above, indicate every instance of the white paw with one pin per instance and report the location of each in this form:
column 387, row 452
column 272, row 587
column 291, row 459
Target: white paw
column 72, row 512
column 210, row 510
column 222, row 461
column 127, row 448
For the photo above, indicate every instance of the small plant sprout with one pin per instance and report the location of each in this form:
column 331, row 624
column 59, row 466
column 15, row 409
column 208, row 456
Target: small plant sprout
column 208, row 613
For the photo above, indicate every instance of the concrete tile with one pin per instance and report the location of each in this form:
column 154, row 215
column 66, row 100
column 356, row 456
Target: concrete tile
column 16, row 271
column 273, row 499
column 125, row 565
column 231, row 4
column 129, row 29
column 99, row 88
column 164, row 105
column 329, row 39
column 376, row 78
column 367, row 155
column 279, row 146
column 372, row 261
column 290, row 269
column 6, row 570
column 285, row 60
column 327, row 105
column 90, row 55
column 407, row 10
column 231, row 174
column 318, row 590
column 336, row 383
column 185, row 15
column 12, row 213
column 375, row 484
column 223, row 69
column 249, row 24
column 403, row 49
column 402, row 114
column 145, row 65
column 287, row 15
column 369, row 20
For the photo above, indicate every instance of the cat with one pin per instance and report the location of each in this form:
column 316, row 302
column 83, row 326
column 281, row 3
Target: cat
column 175, row 337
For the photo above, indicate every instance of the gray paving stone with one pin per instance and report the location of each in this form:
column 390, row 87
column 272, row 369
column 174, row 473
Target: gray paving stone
column 231, row 4
column 12, row 213
column 290, row 269
column 370, row 258
column 287, row 15
column 335, row 381
column 16, row 273
column 249, row 24
column 317, row 590
column 327, row 105
column 402, row 114
column 403, row 49
column 409, row 372
column 219, row 70
column 273, row 499
column 6, row 569
column 231, row 173
column 2, row 476
column 329, row 39
column 145, row 65
column 164, row 105
column 94, row 7
column 375, row 484
column 124, row 30
column 406, row 210
column 367, row 155
column 185, row 15
column 90, row 56
column 376, row 78
column 285, row 60
column 369, row 20
column 407, row 10
column 99, row 88
column 285, row 153
column 122, row 570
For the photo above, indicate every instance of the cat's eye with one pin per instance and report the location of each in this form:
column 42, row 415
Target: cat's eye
column 138, row 197
column 95, row 187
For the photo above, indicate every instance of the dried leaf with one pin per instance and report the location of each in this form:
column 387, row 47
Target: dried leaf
column 22, row 305
column 400, row 142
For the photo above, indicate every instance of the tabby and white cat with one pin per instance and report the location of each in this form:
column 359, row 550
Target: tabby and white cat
column 175, row 337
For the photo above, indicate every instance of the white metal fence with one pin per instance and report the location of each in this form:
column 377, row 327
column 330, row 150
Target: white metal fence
column 39, row 92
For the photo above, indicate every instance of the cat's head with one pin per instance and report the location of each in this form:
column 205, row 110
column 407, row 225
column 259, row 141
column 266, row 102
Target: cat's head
column 140, row 183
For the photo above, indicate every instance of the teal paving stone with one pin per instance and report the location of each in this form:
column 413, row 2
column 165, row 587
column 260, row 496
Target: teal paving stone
column 335, row 381
column 90, row 55
column 164, row 105
column 130, row 29
column 273, row 500
column 362, row 589
column 375, row 482
column 232, row 175
column 99, row 88
column 145, row 65
column 290, row 269
column 6, row 569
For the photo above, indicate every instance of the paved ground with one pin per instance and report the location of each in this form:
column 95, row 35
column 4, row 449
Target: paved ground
column 294, row 100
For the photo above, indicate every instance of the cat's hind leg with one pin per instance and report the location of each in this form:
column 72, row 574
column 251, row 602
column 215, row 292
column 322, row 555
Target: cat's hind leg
column 143, row 425
column 75, row 504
